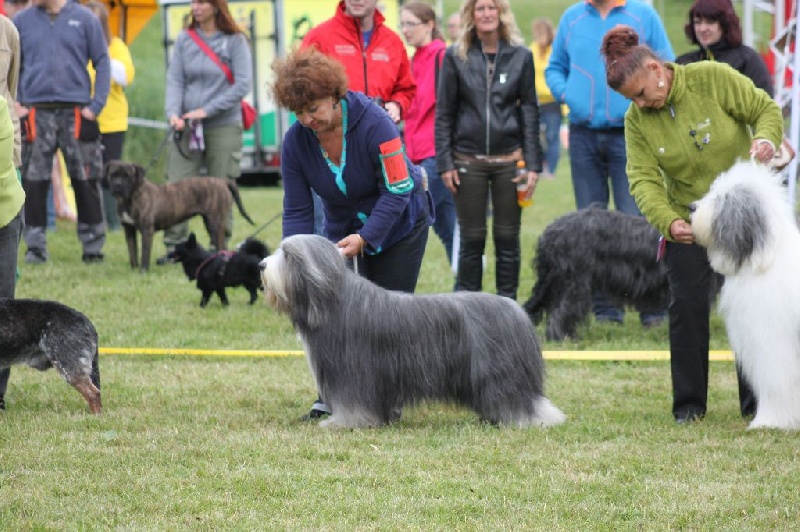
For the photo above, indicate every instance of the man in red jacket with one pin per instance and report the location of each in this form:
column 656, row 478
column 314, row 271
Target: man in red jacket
column 373, row 55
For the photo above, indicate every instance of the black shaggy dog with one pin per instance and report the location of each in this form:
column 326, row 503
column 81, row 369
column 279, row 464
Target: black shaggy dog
column 46, row 334
column 215, row 272
column 595, row 249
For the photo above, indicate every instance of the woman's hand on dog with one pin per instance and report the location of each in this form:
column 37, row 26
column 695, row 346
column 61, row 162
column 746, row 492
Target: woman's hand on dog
column 681, row 232
column 351, row 245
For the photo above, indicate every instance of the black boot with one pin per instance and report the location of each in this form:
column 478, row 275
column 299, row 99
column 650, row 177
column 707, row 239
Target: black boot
column 470, row 265
column 747, row 399
column 507, row 266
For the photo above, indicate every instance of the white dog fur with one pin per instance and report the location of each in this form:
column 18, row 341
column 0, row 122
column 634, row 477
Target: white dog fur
column 747, row 224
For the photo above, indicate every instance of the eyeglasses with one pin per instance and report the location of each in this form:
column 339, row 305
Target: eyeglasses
column 409, row 24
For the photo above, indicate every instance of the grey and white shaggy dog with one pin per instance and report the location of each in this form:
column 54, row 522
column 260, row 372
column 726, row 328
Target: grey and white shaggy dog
column 748, row 227
column 373, row 351
column 589, row 250
column 47, row 334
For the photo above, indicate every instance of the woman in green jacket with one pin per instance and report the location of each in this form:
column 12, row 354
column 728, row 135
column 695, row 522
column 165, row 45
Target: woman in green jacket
column 688, row 124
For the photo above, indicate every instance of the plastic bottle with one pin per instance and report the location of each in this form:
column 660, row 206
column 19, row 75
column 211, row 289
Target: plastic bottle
column 522, row 186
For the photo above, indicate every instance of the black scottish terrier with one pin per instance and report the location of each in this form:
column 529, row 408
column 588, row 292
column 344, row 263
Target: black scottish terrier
column 216, row 271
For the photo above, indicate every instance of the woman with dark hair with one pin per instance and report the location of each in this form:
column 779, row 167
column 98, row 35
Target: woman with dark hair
column 687, row 125
column 715, row 28
column 347, row 149
column 419, row 28
column 487, row 119
column 204, row 102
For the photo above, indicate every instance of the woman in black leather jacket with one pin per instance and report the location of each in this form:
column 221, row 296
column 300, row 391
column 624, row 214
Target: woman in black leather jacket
column 487, row 119
column 715, row 28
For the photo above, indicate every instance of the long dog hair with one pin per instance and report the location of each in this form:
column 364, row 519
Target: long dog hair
column 749, row 230
column 589, row 250
column 373, row 351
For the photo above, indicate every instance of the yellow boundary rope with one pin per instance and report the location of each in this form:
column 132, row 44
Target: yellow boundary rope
column 548, row 355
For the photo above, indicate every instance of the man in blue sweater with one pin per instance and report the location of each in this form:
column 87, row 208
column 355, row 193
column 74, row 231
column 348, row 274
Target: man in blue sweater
column 576, row 75
column 58, row 38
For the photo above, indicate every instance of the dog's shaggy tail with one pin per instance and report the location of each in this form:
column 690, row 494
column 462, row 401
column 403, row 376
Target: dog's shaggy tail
column 253, row 246
column 238, row 199
column 536, row 305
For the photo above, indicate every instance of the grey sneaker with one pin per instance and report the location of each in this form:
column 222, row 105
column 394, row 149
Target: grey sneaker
column 36, row 256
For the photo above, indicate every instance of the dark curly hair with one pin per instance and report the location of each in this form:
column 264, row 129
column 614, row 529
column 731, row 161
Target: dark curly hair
column 720, row 11
column 624, row 55
column 305, row 76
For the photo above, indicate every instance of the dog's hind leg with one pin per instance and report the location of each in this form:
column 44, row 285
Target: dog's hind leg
column 253, row 295
column 572, row 307
column 222, row 296
column 205, row 297
column 90, row 392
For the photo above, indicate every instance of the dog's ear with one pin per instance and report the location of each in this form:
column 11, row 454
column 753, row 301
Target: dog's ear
column 192, row 240
column 139, row 171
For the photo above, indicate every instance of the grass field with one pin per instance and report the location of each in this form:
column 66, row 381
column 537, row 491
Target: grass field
column 214, row 442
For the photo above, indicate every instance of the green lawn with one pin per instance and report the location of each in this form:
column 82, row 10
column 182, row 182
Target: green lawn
column 214, row 442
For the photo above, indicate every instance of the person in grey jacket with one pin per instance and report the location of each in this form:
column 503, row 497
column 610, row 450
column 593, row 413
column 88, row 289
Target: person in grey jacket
column 203, row 104
column 487, row 119
column 58, row 38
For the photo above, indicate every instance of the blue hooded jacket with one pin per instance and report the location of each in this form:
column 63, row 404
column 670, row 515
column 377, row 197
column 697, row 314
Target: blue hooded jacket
column 576, row 74
column 381, row 211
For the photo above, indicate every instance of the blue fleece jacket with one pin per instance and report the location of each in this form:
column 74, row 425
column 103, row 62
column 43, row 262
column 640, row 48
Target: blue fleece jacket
column 381, row 211
column 576, row 74
column 54, row 55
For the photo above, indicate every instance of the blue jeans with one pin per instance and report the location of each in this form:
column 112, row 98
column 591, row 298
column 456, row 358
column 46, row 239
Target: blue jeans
column 597, row 156
column 444, row 205
column 550, row 122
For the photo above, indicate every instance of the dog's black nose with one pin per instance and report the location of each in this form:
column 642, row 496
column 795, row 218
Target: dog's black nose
column 692, row 207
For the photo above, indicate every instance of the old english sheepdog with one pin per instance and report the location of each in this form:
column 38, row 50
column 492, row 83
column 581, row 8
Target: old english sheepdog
column 747, row 224
column 590, row 250
column 373, row 351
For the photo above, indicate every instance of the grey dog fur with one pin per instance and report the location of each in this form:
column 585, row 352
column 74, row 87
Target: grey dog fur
column 373, row 351
column 589, row 250
column 147, row 207
column 45, row 334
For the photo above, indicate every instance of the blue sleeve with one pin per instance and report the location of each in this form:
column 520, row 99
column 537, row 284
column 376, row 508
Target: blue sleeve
column 390, row 206
column 98, row 54
column 298, row 205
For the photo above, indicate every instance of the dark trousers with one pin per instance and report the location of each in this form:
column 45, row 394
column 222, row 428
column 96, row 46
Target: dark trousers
column 477, row 179
column 397, row 267
column 690, row 277
column 112, row 151
column 10, row 236
column 55, row 129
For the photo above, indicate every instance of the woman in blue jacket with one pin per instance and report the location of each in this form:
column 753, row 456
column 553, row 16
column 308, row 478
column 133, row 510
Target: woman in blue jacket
column 345, row 148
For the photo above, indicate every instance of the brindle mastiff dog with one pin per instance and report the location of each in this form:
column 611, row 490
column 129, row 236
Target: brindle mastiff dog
column 147, row 207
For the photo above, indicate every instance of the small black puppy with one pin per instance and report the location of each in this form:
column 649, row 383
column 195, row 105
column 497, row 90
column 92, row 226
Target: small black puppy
column 47, row 334
column 216, row 271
